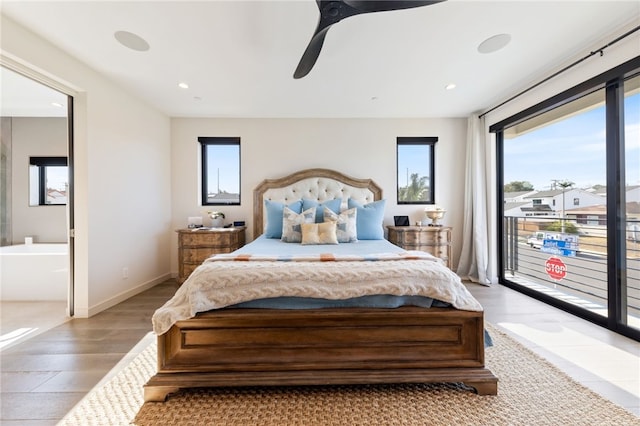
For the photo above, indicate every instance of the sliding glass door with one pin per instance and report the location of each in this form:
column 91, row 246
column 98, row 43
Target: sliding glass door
column 632, row 180
column 569, row 179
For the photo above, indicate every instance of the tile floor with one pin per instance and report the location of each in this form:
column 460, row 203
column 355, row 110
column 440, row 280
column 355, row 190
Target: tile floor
column 605, row 362
column 46, row 373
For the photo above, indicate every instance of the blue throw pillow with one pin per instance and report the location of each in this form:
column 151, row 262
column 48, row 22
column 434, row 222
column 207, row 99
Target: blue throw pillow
column 333, row 205
column 369, row 219
column 274, row 210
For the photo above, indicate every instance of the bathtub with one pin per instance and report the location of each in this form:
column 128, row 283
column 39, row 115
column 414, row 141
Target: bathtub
column 35, row 272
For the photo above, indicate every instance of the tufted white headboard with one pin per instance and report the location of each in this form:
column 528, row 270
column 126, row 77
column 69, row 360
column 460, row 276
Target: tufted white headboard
column 312, row 184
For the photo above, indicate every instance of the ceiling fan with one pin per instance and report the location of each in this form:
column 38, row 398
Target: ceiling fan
column 333, row 11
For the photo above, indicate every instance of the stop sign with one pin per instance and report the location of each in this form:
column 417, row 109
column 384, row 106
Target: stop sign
column 555, row 268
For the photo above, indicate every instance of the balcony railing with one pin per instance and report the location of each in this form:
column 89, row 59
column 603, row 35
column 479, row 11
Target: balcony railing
column 583, row 278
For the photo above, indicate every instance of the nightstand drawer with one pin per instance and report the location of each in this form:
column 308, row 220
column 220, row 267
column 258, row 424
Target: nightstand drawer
column 198, row 255
column 433, row 240
column 194, row 247
column 430, row 238
column 210, row 239
column 439, row 251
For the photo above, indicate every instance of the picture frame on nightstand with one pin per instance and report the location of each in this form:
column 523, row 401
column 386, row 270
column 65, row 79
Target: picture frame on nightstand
column 401, row 220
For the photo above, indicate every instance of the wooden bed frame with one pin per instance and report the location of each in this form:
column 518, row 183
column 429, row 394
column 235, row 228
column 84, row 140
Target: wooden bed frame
column 268, row 347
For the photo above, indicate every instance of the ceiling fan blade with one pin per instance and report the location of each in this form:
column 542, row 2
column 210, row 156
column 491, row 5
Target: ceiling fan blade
column 368, row 6
column 311, row 53
column 333, row 11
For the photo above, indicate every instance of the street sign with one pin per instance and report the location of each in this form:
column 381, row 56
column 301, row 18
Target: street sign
column 560, row 244
column 555, row 268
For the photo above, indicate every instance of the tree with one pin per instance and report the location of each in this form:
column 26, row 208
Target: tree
column 561, row 226
column 416, row 190
column 518, row 186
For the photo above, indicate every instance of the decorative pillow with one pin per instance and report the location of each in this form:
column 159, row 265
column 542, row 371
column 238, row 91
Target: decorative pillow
column 319, row 233
column 369, row 219
column 273, row 210
column 334, row 205
column 346, row 226
column 292, row 224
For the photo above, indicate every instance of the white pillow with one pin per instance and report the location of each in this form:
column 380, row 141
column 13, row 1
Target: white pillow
column 319, row 233
column 292, row 223
column 346, row 224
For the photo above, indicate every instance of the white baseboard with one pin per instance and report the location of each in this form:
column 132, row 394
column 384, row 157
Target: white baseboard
column 93, row 310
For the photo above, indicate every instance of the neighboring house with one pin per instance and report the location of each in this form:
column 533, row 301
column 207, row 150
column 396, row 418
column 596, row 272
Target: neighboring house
column 224, row 198
column 517, row 197
column 590, row 216
column 633, row 193
column 557, row 200
column 593, row 219
column 515, row 208
column 548, row 203
column 55, row 196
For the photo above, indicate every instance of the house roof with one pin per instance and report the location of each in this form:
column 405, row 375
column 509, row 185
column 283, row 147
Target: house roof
column 632, row 207
column 545, row 194
column 515, row 194
column 515, row 205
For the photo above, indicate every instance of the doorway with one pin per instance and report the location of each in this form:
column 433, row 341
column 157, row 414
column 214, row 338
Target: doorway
column 36, row 199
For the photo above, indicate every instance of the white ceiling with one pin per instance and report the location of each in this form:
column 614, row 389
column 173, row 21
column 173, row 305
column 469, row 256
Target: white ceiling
column 238, row 57
column 23, row 97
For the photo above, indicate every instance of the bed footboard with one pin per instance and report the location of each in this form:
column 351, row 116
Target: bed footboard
column 264, row 347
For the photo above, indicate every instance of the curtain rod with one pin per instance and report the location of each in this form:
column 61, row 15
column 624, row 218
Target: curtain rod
column 592, row 53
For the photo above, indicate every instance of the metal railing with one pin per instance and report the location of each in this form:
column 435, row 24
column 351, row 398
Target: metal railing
column 583, row 281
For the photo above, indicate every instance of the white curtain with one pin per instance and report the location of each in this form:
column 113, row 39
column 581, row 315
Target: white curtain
column 474, row 259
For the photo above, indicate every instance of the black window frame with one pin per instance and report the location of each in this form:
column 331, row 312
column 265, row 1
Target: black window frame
column 612, row 81
column 430, row 142
column 206, row 141
column 42, row 163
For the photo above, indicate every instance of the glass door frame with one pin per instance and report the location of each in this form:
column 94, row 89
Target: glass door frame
column 613, row 83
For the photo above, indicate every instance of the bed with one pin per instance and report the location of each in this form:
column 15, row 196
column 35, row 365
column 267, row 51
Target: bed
column 221, row 330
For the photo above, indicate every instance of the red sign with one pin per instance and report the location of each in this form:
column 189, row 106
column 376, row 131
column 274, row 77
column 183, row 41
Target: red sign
column 556, row 268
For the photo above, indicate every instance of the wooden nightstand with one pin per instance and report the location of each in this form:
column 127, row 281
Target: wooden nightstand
column 435, row 240
column 195, row 246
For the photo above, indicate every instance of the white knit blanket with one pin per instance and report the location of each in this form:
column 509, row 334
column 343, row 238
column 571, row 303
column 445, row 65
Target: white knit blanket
column 225, row 280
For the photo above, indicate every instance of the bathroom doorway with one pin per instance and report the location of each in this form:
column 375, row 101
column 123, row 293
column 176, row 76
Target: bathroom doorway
column 36, row 200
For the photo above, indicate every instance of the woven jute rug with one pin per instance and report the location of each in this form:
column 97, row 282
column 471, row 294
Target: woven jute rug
column 531, row 391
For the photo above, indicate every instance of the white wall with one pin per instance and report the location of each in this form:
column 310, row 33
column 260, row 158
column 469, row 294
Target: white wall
column 361, row 148
column 122, row 174
column 614, row 55
column 36, row 137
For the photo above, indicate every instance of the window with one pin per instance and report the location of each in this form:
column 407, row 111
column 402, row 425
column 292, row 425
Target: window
column 416, row 177
column 593, row 220
column 220, row 170
column 48, row 181
column 537, row 202
column 586, row 137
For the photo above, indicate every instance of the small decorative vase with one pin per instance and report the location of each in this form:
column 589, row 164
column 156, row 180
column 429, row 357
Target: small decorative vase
column 218, row 222
column 435, row 216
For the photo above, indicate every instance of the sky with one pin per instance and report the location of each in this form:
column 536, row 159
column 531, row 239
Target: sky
column 412, row 159
column 57, row 177
column 226, row 159
column 573, row 150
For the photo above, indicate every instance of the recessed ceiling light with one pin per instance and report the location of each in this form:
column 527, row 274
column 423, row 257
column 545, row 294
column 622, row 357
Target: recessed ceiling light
column 132, row 41
column 495, row 43
column 183, row 85
column 57, row 104
column 450, row 86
